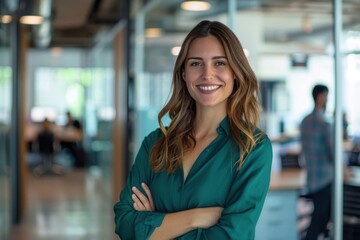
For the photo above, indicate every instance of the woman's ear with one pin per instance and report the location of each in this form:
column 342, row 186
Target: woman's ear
column 183, row 75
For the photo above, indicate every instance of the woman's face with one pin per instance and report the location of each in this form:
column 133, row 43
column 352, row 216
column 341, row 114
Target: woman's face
column 208, row 76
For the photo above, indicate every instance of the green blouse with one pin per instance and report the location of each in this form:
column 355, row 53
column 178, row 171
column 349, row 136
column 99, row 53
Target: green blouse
column 212, row 181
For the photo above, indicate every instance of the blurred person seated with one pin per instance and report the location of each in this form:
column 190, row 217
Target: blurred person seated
column 71, row 140
column 46, row 146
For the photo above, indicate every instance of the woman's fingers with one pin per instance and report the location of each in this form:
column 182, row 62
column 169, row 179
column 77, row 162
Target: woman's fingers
column 137, row 203
column 141, row 200
column 149, row 196
column 141, row 197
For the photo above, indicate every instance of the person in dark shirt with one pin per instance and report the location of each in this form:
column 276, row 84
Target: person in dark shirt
column 72, row 122
column 72, row 143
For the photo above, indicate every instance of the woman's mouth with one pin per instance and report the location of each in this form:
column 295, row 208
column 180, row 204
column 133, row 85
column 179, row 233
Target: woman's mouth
column 208, row 88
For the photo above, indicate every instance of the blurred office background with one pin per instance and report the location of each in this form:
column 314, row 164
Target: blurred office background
column 109, row 62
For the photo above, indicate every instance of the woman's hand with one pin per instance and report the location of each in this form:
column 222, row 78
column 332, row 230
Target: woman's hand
column 142, row 202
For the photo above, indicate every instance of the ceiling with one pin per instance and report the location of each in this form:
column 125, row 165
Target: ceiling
column 75, row 23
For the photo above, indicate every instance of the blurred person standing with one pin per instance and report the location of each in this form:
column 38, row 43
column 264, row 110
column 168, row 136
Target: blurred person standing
column 317, row 147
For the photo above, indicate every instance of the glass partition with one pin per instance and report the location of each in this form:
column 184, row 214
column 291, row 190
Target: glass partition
column 5, row 119
column 100, row 113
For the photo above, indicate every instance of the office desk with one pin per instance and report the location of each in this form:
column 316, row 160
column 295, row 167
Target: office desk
column 355, row 179
column 278, row 219
column 61, row 133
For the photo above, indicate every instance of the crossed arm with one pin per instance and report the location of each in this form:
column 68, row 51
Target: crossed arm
column 177, row 223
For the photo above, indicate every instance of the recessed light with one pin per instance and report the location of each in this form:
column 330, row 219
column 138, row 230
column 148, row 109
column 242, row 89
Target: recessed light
column 195, row 5
column 31, row 20
column 153, row 32
column 5, row 19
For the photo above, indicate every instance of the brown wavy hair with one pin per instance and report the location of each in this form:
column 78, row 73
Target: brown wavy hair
column 243, row 108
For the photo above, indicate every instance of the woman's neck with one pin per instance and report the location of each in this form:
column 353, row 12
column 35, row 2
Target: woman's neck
column 207, row 122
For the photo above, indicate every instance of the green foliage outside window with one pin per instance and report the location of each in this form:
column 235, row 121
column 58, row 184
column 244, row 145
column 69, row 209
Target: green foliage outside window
column 65, row 88
column 5, row 75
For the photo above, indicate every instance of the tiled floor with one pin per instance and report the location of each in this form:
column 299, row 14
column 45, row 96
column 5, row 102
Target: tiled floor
column 74, row 206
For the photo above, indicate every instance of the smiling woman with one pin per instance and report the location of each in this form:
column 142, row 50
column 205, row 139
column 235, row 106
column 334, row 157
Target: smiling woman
column 195, row 178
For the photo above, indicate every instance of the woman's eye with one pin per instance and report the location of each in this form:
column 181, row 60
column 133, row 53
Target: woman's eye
column 220, row 63
column 195, row 64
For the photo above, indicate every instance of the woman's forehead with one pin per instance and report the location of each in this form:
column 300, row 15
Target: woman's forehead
column 209, row 45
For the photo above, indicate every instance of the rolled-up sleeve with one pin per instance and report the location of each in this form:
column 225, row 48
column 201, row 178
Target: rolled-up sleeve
column 245, row 199
column 129, row 223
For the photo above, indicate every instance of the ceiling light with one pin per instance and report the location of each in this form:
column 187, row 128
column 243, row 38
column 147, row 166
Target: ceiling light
column 195, row 5
column 35, row 12
column 153, row 32
column 5, row 19
column 32, row 20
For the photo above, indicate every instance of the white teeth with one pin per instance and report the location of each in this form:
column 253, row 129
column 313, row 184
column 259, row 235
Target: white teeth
column 208, row 88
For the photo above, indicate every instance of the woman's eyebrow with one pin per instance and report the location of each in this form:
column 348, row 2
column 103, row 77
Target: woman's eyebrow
column 193, row 58
column 199, row 58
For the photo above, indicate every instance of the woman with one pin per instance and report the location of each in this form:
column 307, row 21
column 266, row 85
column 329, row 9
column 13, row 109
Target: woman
column 206, row 175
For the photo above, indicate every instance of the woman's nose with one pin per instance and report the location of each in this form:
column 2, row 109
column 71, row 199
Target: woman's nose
column 208, row 72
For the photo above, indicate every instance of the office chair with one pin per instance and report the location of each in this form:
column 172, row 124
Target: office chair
column 47, row 152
